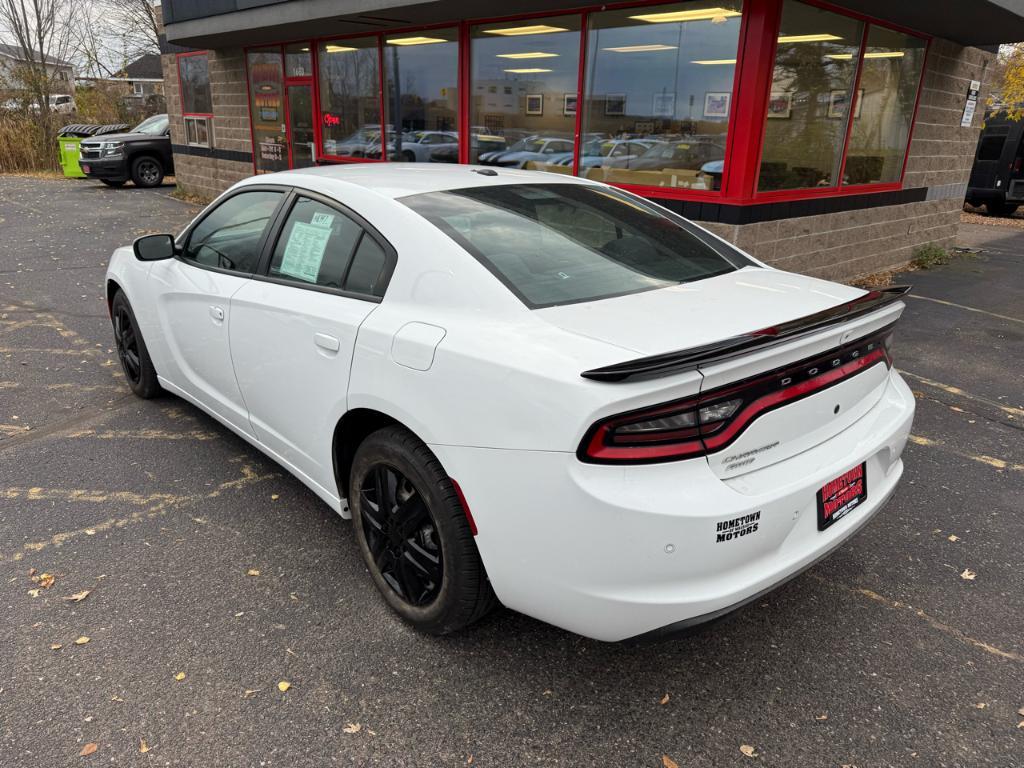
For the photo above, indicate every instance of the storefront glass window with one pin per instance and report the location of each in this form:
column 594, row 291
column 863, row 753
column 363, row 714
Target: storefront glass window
column 890, row 75
column 194, row 75
column 808, row 108
column 266, row 95
column 349, row 97
column 297, row 60
column 422, row 96
column 524, row 81
column 658, row 94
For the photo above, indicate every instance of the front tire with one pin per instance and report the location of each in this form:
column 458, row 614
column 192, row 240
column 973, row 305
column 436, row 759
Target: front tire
column 414, row 536
column 147, row 172
column 131, row 349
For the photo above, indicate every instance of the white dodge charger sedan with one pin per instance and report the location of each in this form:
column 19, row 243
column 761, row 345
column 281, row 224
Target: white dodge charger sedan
column 526, row 388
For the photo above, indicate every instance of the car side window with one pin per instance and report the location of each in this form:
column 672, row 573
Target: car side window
column 315, row 245
column 229, row 236
column 367, row 271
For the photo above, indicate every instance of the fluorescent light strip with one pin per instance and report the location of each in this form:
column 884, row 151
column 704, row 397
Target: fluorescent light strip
column 871, row 55
column 339, row 49
column 536, row 29
column 698, row 15
column 819, row 38
column 415, row 40
column 526, row 71
column 641, row 48
column 714, row 61
column 527, row 55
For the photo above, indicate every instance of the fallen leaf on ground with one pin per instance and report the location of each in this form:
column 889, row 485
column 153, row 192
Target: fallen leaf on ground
column 664, row 699
column 1020, row 711
column 980, row 705
column 33, row 593
column 668, row 762
column 116, row 698
column 968, row 574
column 748, row 750
column 953, row 537
column 88, row 749
column 250, row 692
column 821, row 717
column 56, row 647
column 274, row 497
column 469, row 760
column 44, row 580
column 252, row 572
column 352, row 728
column 180, row 676
column 31, row 572
column 283, row 686
column 143, row 746
column 78, row 596
column 82, row 640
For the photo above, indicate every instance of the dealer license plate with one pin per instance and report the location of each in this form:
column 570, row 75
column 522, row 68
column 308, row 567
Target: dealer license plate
column 839, row 497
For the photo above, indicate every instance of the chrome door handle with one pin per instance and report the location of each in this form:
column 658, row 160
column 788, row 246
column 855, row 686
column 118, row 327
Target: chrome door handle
column 330, row 343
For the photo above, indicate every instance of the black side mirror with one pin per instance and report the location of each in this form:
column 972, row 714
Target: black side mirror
column 154, row 247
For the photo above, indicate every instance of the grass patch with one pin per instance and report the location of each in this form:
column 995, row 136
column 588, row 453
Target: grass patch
column 930, row 255
column 179, row 194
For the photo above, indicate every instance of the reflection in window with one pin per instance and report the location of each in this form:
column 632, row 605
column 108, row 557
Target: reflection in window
column 659, row 92
column 266, row 94
column 421, row 99
column 805, row 129
column 525, row 76
column 349, row 97
column 194, row 75
column 890, row 74
column 297, row 60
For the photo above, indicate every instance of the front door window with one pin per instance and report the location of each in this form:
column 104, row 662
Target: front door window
column 300, row 125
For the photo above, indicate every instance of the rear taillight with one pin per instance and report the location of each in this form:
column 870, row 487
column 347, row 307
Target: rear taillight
column 700, row 425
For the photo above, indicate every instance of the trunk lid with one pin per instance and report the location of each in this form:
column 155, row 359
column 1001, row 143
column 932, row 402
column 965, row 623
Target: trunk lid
column 790, row 356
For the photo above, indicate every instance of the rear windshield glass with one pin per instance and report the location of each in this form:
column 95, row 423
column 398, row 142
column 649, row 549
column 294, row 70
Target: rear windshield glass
column 564, row 243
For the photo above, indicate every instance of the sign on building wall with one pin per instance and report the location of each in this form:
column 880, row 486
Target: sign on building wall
column 972, row 104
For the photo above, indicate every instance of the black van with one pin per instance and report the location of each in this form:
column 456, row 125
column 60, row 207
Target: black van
column 997, row 178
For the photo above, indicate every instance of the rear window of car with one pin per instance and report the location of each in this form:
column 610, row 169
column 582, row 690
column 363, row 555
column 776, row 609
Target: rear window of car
column 556, row 244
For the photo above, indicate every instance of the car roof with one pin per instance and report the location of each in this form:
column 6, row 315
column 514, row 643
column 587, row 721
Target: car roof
column 395, row 180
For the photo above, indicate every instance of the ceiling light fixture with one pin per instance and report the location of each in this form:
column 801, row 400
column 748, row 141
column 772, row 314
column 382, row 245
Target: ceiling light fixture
column 527, row 55
column 705, row 14
column 338, row 48
column 529, row 71
column 884, row 54
column 714, row 61
column 536, row 29
column 819, row 38
column 415, row 40
column 641, row 48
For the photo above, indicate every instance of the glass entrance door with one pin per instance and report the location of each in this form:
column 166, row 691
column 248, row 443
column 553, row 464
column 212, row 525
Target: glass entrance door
column 300, row 126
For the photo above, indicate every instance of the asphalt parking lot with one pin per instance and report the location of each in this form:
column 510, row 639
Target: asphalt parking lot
column 212, row 576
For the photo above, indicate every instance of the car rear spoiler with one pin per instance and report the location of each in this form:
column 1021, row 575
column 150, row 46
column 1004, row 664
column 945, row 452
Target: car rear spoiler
column 695, row 357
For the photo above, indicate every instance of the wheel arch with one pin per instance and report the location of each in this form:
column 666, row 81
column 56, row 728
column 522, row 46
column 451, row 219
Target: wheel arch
column 351, row 430
column 112, row 288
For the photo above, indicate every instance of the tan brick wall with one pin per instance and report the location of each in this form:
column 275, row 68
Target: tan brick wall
column 207, row 177
column 844, row 246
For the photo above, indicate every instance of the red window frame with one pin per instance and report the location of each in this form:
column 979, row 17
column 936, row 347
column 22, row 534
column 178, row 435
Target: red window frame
column 208, row 116
column 755, row 63
column 286, row 81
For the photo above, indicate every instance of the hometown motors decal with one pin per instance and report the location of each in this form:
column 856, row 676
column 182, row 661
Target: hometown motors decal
column 737, row 527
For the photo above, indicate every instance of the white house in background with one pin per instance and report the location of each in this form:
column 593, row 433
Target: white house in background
column 12, row 58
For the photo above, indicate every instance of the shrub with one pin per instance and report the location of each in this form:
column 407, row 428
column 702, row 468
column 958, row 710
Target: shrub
column 930, row 255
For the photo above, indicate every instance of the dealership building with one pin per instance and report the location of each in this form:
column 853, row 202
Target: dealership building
column 826, row 138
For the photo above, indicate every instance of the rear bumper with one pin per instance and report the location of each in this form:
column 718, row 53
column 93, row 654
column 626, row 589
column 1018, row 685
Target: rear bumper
column 617, row 552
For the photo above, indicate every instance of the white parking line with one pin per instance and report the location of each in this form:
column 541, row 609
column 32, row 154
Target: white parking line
column 965, row 307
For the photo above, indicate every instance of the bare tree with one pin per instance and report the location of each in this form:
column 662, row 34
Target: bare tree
column 135, row 24
column 42, row 31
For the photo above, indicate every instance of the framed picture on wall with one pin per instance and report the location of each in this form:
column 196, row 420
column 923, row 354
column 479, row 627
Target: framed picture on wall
column 615, row 104
column 837, row 103
column 664, row 105
column 716, row 103
column 535, row 103
column 569, row 104
column 780, row 104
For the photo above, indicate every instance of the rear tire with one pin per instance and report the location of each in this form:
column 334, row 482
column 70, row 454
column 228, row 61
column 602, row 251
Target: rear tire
column 131, row 349
column 147, row 172
column 1000, row 209
column 113, row 183
column 417, row 544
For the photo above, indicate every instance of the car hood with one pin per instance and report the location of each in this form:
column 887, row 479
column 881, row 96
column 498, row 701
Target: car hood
column 122, row 137
column 698, row 313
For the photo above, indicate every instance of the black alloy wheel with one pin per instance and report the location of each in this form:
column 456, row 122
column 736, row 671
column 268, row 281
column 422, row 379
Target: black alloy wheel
column 401, row 536
column 147, row 172
column 131, row 349
column 414, row 534
column 127, row 345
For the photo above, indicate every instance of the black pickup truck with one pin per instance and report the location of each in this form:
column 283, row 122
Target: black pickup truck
column 143, row 155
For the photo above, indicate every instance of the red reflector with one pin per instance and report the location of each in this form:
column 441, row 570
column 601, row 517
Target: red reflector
column 465, row 506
